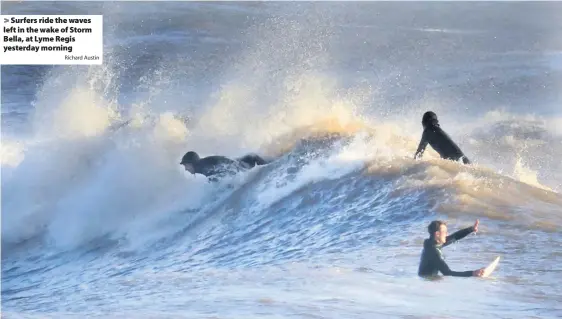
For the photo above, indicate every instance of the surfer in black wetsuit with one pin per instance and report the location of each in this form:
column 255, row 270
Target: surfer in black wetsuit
column 219, row 166
column 432, row 260
column 439, row 140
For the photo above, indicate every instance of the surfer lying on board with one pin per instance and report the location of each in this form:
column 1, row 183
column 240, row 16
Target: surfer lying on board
column 438, row 139
column 219, row 166
column 432, row 260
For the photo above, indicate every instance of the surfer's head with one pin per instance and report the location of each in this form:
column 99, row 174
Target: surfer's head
column 188, row 161
column 429, row 118
column 438, row 230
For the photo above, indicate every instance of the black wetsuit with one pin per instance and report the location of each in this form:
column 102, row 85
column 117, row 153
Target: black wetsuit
column 220, row 166
column 432, row 260
column 441, row 143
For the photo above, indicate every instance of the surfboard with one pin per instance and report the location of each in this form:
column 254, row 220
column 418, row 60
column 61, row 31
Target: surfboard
column 491, row 267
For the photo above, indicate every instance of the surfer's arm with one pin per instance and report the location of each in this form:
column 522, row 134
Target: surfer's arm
column 458, row 235
column 446, row 271
column 421, row 146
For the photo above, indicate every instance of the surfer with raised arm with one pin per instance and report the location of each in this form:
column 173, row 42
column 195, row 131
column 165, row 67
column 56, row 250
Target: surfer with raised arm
column 440, row 141
column 432, row 260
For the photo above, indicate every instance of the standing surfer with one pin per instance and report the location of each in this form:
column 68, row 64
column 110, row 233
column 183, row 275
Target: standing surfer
column 434, row 135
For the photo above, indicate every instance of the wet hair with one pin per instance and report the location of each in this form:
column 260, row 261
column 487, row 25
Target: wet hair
column 429, row 118
column 189, row 158
column 435, row 226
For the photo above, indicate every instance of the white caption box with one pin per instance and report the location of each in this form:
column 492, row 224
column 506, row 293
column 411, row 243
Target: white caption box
column 51, row 39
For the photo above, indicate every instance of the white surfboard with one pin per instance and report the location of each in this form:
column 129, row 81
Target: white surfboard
column 491, row 267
